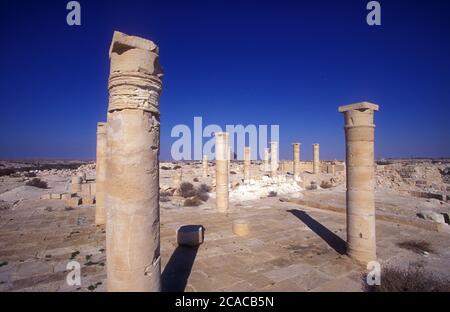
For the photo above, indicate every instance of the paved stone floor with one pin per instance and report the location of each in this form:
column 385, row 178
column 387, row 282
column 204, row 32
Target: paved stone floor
column 289, row 248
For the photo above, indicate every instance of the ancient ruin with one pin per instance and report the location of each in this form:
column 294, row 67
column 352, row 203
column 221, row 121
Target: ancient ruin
column 266, row 159
column 247, row 158
column 222, row 171
column 316, row 159
column 296, row 168
column 100, row 174
column 132, row 201
column 359, row 139
column 274, row 158
column 236, row 202
column 205, row 166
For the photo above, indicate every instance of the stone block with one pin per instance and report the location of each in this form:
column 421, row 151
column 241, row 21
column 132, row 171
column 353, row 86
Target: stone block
column 88, row 199
column 55, row 196
column 241, row 228
column 190, row 235
column 66, row 196
column 431, row 215
column 45, row 196
column 86, row 189
column 73, row 201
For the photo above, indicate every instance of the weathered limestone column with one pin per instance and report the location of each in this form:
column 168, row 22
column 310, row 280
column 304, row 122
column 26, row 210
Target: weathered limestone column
column 296, row 160
column 100, row 174
column 75, row 186
column 247, row 156
column 359, row 136
column 177, row 178
column 205, row 166
column 222, row 156
column 266, row 159
column 132, row 198
column 274, row 158
column 230, row 156
column 316, row 159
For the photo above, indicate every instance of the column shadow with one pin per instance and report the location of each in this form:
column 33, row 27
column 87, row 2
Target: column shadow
column 177, row 270
column 334, row 241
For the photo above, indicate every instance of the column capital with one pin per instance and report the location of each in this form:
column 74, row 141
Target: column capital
column 123, row 42
column 358, row 106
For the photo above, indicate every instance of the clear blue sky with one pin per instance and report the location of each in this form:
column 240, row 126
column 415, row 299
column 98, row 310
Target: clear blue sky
column 290, row 63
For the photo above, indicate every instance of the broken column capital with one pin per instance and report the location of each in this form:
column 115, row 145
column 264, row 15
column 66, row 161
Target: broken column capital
column 135, row 74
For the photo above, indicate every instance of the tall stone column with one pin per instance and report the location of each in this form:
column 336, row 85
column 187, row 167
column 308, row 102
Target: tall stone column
column 316, row 159
column 205, row 166
column 100, row 174
column 247, row 156
column 274, row 158
column 359, row 136
column 296, row 160
column 230, row 156
column 133, row 136
column 266, row 159
column 222, row 156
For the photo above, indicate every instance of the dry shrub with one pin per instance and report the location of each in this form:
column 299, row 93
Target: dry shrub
column 203, row 188
column 272, row 194
column 164, row 199
column 165, row 168
column 232, row 172
column 187, row 190
column 384, row 162
column 412, row 279
column 176, row 167
column 326, row 184
column 195, row 180
column 36, row 182
column 166, row 193
column 192, row 202
column 417, row 246
column 312, row 186
column 203, row 196
column 4, row 205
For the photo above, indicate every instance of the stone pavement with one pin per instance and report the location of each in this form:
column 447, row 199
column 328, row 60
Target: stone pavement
column 289, row 248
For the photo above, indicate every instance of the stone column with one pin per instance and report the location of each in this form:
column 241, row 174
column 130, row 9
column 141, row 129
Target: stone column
column 222, row 156
column 266, row 159
column 75, row 186
column 316, row 159
column 132, row 198
column 100, row 174
column 230, row 156
column 205, row 166
column 247, row 157
column 296, row 160
column 178, row 178
column 359, row 136
column 274, row 158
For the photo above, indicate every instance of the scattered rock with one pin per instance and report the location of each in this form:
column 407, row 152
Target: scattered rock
column 431, row 215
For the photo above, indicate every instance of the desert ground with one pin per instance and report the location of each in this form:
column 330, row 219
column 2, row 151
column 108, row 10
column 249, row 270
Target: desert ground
column 296, row 229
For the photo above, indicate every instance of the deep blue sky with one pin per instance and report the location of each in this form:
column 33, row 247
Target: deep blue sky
column 290, row 63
